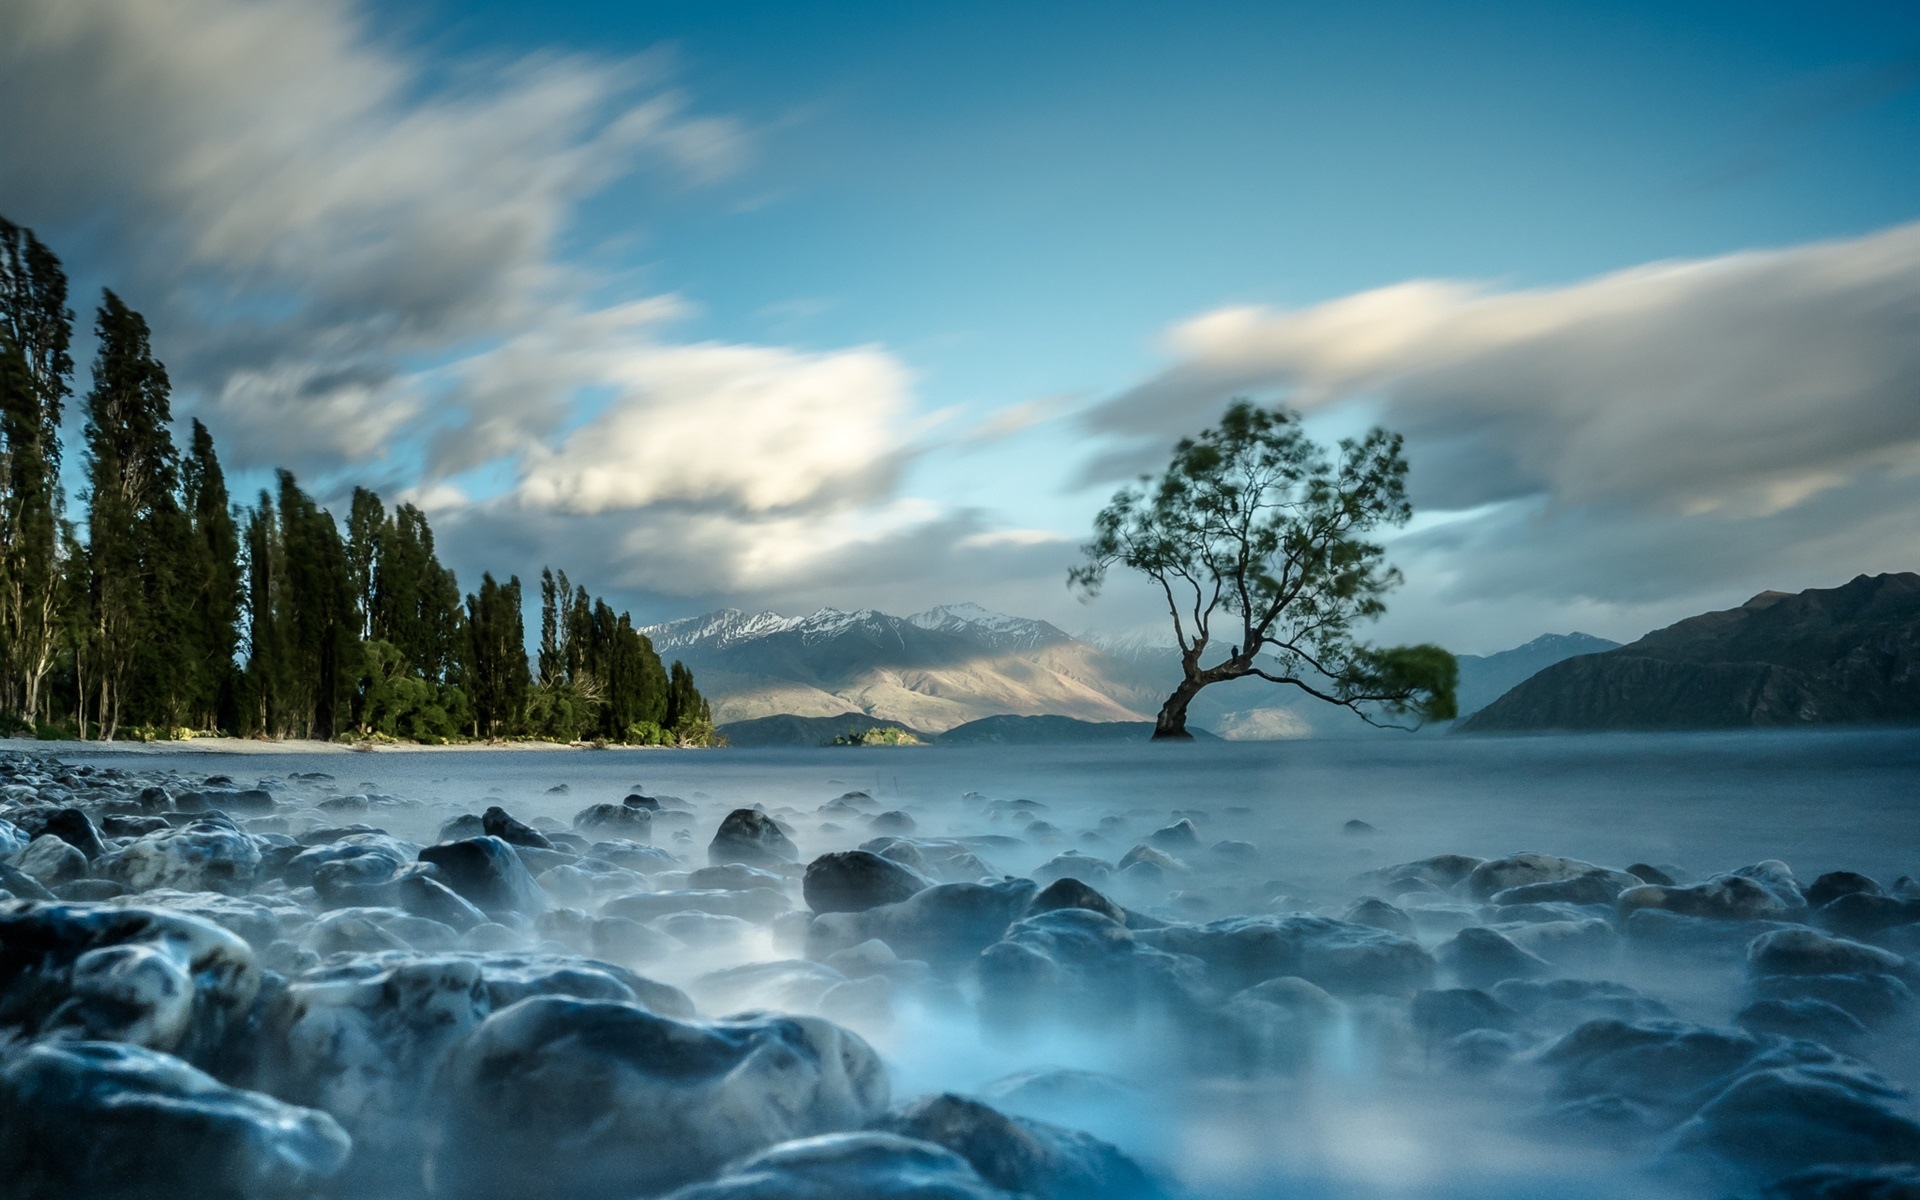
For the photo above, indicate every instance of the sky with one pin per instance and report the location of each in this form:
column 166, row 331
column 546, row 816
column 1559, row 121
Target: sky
column 874, row 305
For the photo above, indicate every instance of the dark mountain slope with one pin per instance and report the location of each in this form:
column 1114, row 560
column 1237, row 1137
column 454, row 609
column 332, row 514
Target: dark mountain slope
column 1827, row 656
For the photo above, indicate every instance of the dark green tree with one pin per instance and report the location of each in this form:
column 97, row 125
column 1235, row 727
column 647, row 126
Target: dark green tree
column 36, row 330
column 132, row 471
column 497, row 679
column 366, row 530
column 1257, row 528
column 214, row 586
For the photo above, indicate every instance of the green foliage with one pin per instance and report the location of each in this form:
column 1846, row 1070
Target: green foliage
column 879, row 735
column 1258, row 530
column 396, row 702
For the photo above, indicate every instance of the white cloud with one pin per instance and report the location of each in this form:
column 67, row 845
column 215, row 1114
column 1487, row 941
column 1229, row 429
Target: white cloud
column 299, row 204
column 755, row 428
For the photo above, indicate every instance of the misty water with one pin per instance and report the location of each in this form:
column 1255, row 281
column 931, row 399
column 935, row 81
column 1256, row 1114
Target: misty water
column 1364, row 1109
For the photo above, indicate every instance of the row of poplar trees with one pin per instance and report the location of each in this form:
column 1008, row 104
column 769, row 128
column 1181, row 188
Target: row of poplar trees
column 169, row 608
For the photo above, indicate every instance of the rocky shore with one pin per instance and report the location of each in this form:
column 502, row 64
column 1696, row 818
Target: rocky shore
column 291, row 987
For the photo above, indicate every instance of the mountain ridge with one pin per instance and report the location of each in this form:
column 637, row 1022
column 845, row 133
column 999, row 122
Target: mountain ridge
column 1841, row 655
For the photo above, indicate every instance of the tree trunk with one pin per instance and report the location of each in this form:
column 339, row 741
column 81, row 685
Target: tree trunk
column 1172, row 721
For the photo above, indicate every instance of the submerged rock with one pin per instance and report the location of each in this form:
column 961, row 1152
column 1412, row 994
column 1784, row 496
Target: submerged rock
column 1337, row 955
column 1793, row 1117
column 486, row 872
column 116, row 1122
column 602, row 1101
column 849, row 1166
column 1024, row 1156
column 750, row 836
column 857, row 880
column 945, row 925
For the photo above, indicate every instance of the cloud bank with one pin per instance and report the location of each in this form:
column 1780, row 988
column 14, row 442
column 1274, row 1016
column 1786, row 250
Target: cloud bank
column 1677, row 431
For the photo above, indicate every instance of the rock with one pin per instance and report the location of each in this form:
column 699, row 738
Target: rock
column 1283, row 1024
column 147, row 977
column 498, row 822
column 363, row 1038
column 1873, row 997
column 1443, row 871
column 1730, row 897
column 1358, row 828
column 254, row 922
column 615, row 820
column 1816, row 1020
column 1863, row 914
column 707, row 930
column 848, row 1166
column 207, row 854
column 1594, row 887
column 738, row 877
column 1152, row 857
column 750, row 836
column 488, row 874
column 757, row 905
column 462, row 827
column 1794, row 1117
column 624, row 940
column 857, row 880
column 1371, row 910
column 1648, row 873
column 1441, row 1015
column 1669, row 1065
column 1341, row 957
column 154, row 1127
column 88, row 891
column 1481, row 957
column 791, row 985
column 1072, row 864
column 892, row 822
column 72, row 826
column 942, row 860
column 635, row 856
column 1024, row 1156
column 1835, row 884
column 1808, row 952
column 1500, row 874
column 945, row 925
column 1071, row 893
column 637, row 800
column 51, row 861
column 600, row 1101
column 424, row 895
column 1072, row 962
column 1177, row 838
column 22, row 885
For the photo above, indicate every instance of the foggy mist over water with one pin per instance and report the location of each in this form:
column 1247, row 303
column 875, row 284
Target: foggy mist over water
column 1363, row 1112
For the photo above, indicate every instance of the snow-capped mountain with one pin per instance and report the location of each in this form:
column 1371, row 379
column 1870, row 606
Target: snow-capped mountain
column 932, row 670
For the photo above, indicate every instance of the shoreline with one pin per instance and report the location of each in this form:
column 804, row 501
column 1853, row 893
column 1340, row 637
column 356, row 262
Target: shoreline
column 232, row 745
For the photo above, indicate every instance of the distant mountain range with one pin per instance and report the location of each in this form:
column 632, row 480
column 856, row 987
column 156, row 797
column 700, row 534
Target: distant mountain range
column 930, row 671
column 762, row 732
column 935, row 671
column 1825, row 656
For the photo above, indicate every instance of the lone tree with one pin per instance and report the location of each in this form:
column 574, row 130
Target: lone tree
column 1258, row 529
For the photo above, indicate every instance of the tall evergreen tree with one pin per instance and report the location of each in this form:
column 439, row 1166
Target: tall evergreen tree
column 131, row 474
column 497, row 675
column 266, row 674
column 38, row 326
column 318, row 619
column 214, row 584
column 366, row 527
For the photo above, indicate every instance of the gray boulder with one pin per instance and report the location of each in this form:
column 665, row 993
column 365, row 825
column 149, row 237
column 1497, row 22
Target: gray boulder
column 154, row 1127
column 857, row 880
column 488, row 874
column 601, row 1101
column 750, row 836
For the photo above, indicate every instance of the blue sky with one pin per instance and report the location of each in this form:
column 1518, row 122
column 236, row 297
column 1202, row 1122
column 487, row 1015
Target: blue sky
column 507, row 257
